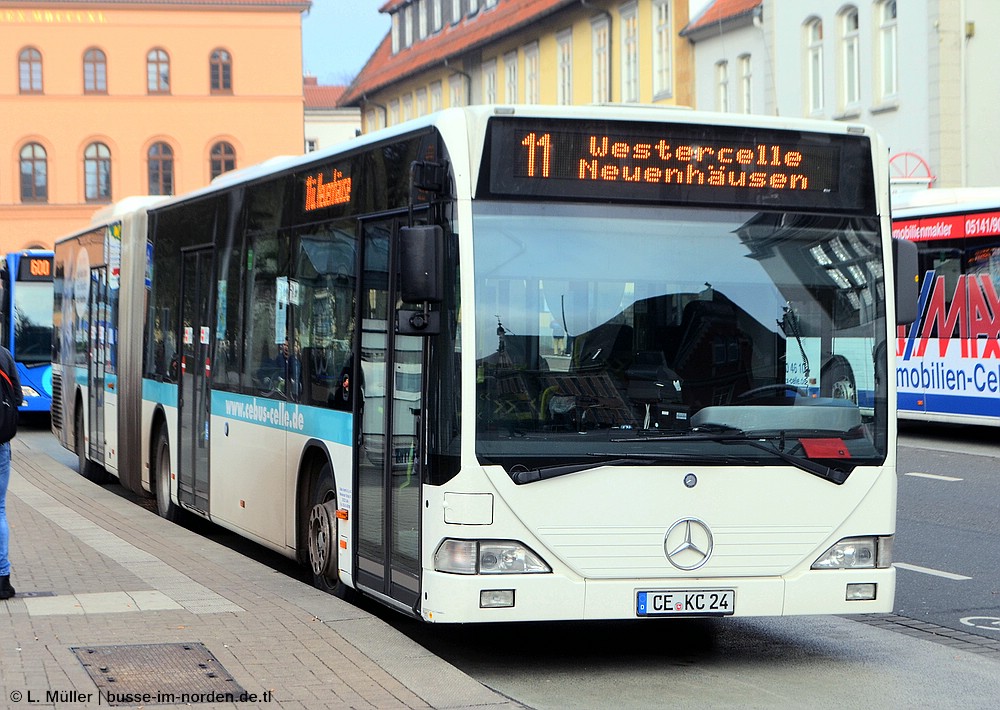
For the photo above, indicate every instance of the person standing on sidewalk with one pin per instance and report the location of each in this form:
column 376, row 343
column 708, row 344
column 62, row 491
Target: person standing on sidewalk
column 12, row 386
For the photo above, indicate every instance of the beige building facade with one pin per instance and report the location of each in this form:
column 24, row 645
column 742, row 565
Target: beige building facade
column 103, row 100
column 443, row 53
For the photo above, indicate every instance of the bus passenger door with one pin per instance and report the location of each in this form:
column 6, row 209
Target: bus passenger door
column 387, row 431
column 193, row 400
column 98, row 316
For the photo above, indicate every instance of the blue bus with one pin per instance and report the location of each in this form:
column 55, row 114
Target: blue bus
column 26, row 326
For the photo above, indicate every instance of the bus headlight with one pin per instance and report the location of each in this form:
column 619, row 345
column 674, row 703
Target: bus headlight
column 487, row 557
column 857, row 553
column 27, row 391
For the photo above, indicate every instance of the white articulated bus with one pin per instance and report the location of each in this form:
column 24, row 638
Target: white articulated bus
column 948, row 367
column 514, row 363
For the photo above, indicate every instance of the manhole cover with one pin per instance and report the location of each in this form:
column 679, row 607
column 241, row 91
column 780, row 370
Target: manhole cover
column 158, row 674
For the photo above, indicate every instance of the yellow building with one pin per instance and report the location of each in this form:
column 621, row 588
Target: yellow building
column 442, row 53
column 102, row 100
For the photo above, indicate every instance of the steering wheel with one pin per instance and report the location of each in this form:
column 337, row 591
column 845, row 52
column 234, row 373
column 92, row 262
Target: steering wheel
column 774, row 390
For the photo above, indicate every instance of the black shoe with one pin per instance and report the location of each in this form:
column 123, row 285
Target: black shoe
column 6, row 591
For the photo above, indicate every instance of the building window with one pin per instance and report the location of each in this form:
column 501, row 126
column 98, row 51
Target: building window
column 456, row 11
column 746, row 84
column 312, row 145
column 161, row 169
column 532, row 81
column 850, row 84
column 408, row 107
column 393, row 112
column 437, row 96
column 600, row 84
column 421, row 102
column 29, row 70
column 408, row 25
column 662, row 49
column 220, row 65
column 437, row 18
column 489, row 71
column 630, row 53
column 722, row 86
column 457, row 91
column 97, row 173
column 157, row 72
column 421, row 19
column 814, row 61
column 95, row 72
column 510, row 77
column 395, row 32
column 564, row 48
column 887, row 49
column 222, row 158
column 34, row 174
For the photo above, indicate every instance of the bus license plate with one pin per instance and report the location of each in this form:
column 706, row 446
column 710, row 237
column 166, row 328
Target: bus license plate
column 689, row 602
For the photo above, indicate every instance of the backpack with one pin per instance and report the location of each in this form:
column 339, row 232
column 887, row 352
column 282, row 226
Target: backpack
column 8, row 408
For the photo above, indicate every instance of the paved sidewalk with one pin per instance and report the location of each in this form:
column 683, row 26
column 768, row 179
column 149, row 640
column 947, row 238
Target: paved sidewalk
column 112, row 597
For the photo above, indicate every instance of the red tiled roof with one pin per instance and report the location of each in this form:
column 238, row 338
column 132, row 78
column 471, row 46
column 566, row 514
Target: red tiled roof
column 300, row 4
column 384, row 68
column 320, row 96
column 721, row 10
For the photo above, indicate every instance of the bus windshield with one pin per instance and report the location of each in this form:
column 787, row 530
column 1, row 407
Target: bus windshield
column 614, row 330
column 33, row 322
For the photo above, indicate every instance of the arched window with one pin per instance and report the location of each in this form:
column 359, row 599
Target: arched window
column 29, row 70
column 222, row 159
column 221, row 72
column 157, row 72
column 161, row 169
column 888, row 77
column 97, row 173
column 95, row 72
column 814, row 64
column 34, row 174
column 850, row 59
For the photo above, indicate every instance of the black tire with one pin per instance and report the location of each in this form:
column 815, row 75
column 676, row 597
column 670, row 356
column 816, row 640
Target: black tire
column 322, row 542
column 87, row 468
column 161, row 483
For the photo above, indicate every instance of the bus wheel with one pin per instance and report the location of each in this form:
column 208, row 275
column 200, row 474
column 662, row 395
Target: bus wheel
column 837, row 380
column 321, row 535
column 87, row 468
column 164, row 506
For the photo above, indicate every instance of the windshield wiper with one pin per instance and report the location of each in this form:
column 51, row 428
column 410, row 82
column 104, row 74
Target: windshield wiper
column 521, row 474
column 731, row 435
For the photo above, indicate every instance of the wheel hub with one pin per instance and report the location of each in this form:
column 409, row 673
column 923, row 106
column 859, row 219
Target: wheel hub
column 323, row 539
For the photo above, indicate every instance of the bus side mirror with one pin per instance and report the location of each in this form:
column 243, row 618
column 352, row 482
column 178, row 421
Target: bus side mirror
column 421, row 269
column 904, row 268
column 421, row 257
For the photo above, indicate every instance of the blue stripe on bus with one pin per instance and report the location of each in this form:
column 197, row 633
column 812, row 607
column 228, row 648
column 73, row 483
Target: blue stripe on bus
column 163, row 392
column 319, row 422
column 950, row 404
column 327, row 424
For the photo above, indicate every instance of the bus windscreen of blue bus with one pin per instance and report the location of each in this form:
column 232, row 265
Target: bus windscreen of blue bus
column 33, row 322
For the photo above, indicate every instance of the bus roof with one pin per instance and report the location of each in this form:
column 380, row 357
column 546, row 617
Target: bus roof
column 479, row 114
column 946, row 200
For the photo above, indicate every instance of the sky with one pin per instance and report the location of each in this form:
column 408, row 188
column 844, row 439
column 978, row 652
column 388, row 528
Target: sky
column 338, row 36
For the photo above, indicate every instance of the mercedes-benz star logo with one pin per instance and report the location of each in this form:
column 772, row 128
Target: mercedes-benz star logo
column 688, row 544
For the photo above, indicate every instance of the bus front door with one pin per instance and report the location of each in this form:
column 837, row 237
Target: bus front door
column 388, row 429
column 193, row 399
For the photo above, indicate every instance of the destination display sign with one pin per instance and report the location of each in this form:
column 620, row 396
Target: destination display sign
column 677, row 163
column 35, row 268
